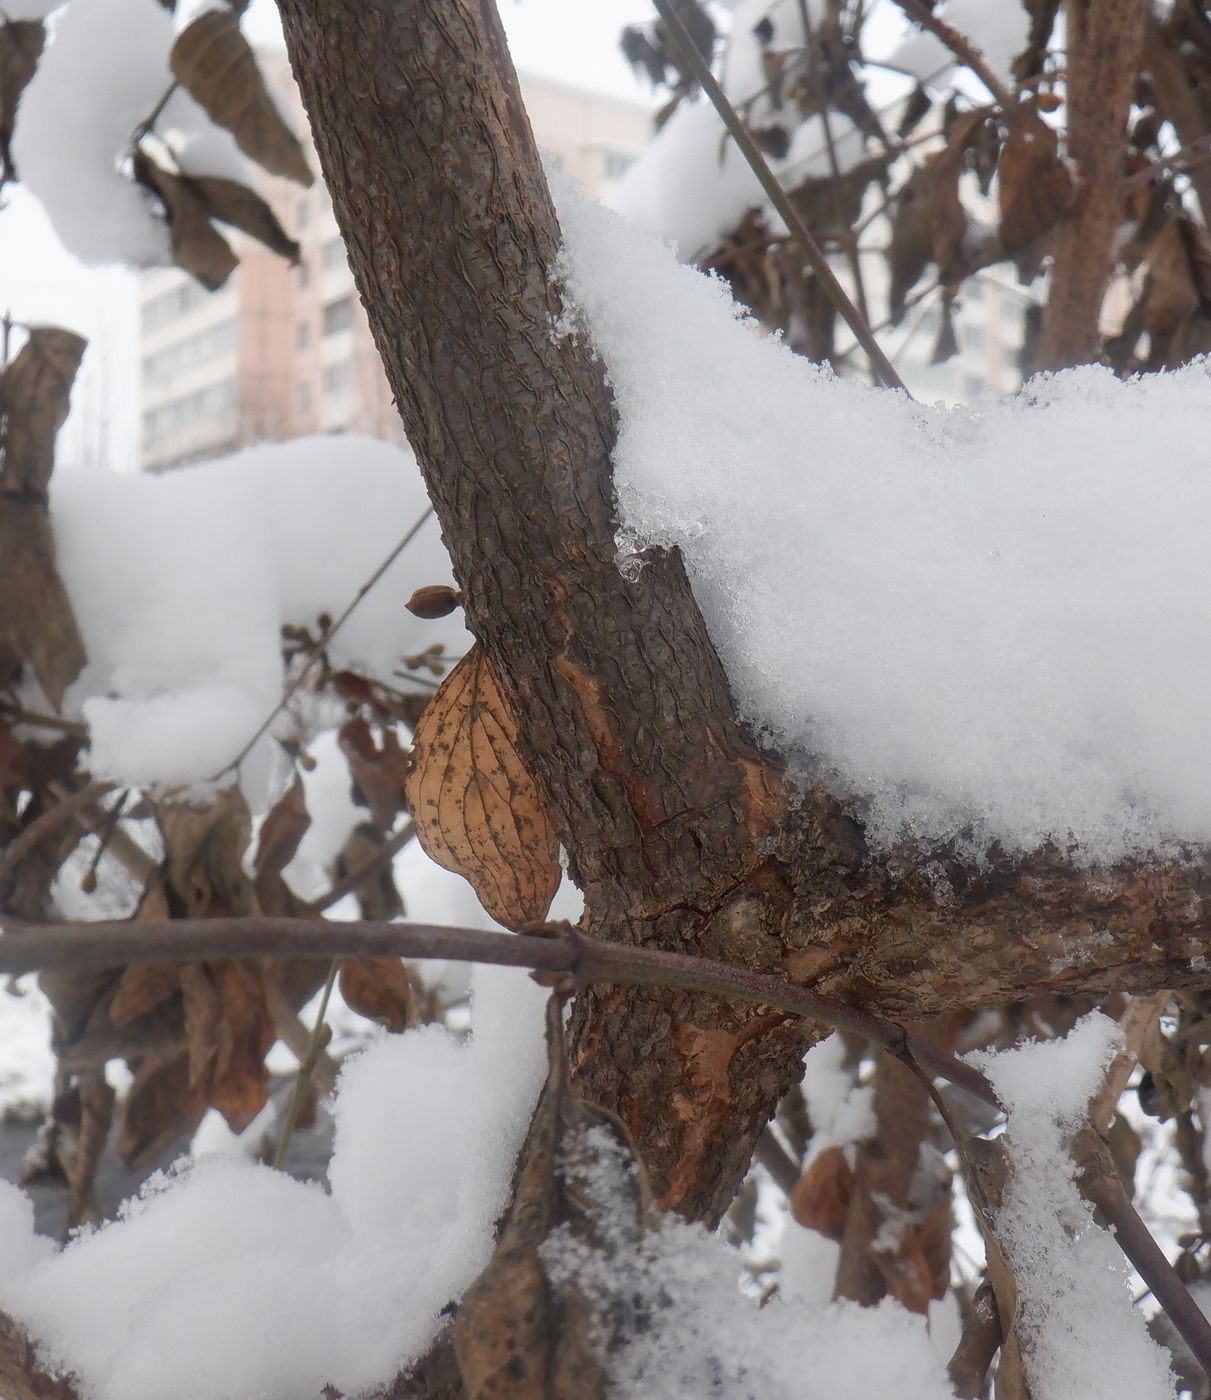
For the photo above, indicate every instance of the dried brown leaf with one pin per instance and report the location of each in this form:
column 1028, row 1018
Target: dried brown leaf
column 478, row 811
column 204, row 845
column 379, row 769
column 284, row 827
column 1034, row 184
column 161, row 1106
column 35, row 392
column 214, row 62
column 819, row 1200
column 242, row 208
column 376, row 892
column 197, row 246
column 141, row 988
column 229, row 1030
column 378, row 988
column 21, row 44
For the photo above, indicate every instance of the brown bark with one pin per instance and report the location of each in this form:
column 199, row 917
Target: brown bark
column 1105, row 38
column 628, row 721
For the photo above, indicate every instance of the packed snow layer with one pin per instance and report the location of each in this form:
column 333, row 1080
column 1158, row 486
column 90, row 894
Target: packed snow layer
column 686, row 1332
column 104, row 69
column 986, row 618
column 181, row 584
column 1082, row 1336
column 303, row 1289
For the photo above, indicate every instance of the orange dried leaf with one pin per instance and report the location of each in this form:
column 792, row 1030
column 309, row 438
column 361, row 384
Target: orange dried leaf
column 142, row 987
column 478, row 811
column 819, row 1200
column 379, row 989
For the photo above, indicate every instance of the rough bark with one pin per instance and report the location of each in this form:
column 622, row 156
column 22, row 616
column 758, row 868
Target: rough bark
column 628, row 722
column 1105, row 38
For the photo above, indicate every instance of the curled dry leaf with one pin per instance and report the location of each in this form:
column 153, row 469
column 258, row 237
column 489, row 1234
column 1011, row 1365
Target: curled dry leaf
column 20, row 49
column 214, row 62
column 378, row 988
column 1034, row 183
column 379, row 769
column 242, row 208
column 819, row 1200
column 37, row 627
column 478, row 811
column 197, row 246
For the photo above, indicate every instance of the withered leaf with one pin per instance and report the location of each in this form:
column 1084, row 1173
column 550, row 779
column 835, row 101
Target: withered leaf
column 819, row 1200
column 1034, row 184
column 376, row 892
column 378, row 988
column 284, row 827
column 35, row 393
column 160, row 1107
column 229, row 1031
column 21, row 44
column 478, row 811
column 213, row 60
column 204, row 845
column 379, row 769
column 242, row 208
column 197, row 246
column 141, row 988
column 37, row 626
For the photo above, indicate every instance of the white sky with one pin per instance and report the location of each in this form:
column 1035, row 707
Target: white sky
column 574, row 41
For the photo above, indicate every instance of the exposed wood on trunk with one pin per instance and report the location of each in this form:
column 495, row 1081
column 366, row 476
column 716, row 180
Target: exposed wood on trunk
column 1105, row 39
column 628, row 721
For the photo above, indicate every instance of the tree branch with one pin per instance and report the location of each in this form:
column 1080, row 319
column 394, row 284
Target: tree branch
column 1105, row 41
column 962, row 48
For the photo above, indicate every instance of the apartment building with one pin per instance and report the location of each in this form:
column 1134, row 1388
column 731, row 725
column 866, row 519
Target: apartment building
column 281, row 351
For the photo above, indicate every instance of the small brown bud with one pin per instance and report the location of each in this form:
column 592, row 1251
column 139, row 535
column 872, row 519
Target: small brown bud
column 434, row 600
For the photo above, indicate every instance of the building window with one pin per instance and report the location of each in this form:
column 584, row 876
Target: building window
column 338, row 378
column 302, row 336
column 334, row 253
column 338, row 316
column 302, row 397
column 196, row 349
column 217, row 399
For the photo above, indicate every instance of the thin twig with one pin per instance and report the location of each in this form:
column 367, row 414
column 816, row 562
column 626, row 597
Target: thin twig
column 302, row 1080
column 959, row 45
column 390, row 848
column 816, row 259
column 320, row 646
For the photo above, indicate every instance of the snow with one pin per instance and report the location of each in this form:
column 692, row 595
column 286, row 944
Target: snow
column 999, row 32
column 691, row 185
column 29, row 9
column 347, row 1285
column 1082, row 1337
column 27, row 1066
column 841, row 1110
column 977, row 623
column 691, row 1334
column 103, row 70
column 181, row 584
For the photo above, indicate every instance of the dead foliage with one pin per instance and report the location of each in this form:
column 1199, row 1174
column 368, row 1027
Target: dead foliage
column 214, row 62
column 477, row 808
column 21, row 44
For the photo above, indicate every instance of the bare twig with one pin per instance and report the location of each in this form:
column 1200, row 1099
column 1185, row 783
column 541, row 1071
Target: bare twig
column 816, row 259
column 302, row 1080
column 959, row 45
column 320, row 646
column 390, row 848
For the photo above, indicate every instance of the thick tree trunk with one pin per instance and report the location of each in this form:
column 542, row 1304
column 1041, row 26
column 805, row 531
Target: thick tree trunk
column 1105, row 39
column 627, row 719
